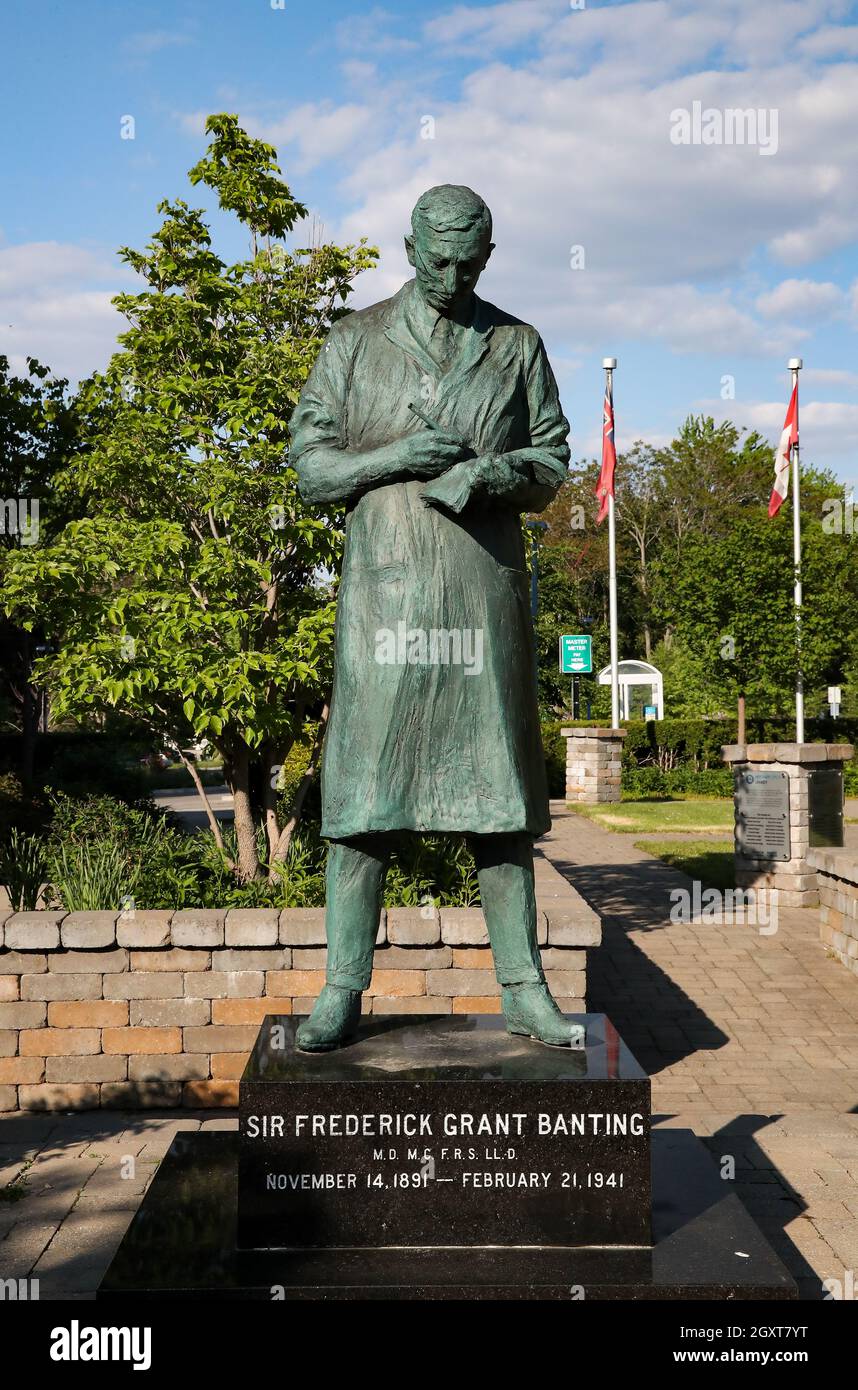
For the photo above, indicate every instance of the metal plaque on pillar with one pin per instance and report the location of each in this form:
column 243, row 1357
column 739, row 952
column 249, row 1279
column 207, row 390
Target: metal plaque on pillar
column 762, row 815
column 826, row 806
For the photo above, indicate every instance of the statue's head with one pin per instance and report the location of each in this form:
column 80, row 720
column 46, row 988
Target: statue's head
column 450, row 243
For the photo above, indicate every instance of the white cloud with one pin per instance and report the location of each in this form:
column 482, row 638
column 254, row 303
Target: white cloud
column 830, row 376
column 320, row 130
column 572, row 147
column 370, row 33
column 802, row 298
column 831, row 41
column 829, row 429
column 307, row 136
column 493, row 27
column 55, row 305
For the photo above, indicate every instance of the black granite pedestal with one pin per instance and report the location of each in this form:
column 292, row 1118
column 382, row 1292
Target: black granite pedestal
column 441, row 1158
column 443, row 1131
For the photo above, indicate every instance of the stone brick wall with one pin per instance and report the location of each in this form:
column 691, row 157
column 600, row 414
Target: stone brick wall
column 162, row 1008
column 593, row 764
column 837, row 877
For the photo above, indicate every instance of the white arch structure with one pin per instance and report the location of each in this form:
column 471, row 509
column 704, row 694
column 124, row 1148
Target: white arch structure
column 636, row 673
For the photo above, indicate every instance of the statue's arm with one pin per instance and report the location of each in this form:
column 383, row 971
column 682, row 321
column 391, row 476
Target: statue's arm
column 329, row 473
column 525, row 479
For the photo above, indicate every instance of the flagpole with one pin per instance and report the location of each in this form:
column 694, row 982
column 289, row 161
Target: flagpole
column 609, row 363
column 795, row 365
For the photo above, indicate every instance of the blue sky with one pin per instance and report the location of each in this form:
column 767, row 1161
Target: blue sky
column 700, row 261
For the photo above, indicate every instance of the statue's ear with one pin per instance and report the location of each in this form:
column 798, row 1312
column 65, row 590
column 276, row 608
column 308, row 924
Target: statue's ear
column 409, row 249
column 491, row 247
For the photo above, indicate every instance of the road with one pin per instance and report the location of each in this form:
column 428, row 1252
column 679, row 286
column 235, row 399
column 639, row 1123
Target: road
column 187, row 805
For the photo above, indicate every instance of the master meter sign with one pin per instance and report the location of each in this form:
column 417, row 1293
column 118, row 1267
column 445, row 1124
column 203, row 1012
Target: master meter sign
column 576, row 655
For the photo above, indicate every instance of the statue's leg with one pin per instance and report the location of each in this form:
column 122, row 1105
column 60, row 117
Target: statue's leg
column 505, row 872
column 355, row 885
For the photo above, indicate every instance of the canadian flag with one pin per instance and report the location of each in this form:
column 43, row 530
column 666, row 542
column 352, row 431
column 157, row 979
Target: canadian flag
column 789, row 438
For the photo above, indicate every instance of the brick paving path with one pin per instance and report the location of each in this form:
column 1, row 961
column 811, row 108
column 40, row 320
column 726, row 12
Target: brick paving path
column 751, row 1040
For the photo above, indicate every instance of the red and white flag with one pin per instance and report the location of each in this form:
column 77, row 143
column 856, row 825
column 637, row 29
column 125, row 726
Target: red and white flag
column 789, row 439
column 605, row 485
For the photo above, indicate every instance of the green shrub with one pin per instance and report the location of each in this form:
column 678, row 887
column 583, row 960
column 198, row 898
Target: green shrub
column 89, row 876
column 709, row 781
column 644, row 782
column 291, row 775
column 22, row 868
column 428, row 869
column 676, row 746
column 159, row 862
column 301, row 879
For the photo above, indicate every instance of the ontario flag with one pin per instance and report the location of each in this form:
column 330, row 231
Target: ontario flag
column 789, row 439
column 605, row 485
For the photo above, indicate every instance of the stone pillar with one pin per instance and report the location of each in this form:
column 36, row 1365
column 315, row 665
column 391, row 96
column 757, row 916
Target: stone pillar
column 794, row 878
column 593, row 758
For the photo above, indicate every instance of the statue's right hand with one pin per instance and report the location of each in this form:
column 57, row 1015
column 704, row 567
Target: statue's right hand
column 429, row 453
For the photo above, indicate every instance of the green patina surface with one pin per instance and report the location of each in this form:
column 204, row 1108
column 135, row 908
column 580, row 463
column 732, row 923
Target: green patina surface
column 416, row 742
column 434, row 418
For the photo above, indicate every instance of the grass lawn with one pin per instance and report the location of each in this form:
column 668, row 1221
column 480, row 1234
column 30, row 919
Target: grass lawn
column 710, row 863
column 701, row 815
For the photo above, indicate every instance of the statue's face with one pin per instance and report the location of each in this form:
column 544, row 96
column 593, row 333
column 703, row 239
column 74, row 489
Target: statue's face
column 447, row 265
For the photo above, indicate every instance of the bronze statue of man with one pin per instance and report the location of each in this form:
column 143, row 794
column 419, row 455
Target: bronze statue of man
column 434, row 418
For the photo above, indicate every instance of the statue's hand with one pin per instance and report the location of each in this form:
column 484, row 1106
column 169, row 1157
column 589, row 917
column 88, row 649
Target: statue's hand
column 429, row 453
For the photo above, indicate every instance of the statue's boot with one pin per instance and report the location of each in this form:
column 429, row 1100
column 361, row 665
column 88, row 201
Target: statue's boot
column 335, row 1017
column 529, row 1009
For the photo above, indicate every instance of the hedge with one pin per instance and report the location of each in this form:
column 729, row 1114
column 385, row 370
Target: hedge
column 684, row 755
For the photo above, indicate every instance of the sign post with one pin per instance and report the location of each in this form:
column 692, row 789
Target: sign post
column 576, row 659
column 576, row 655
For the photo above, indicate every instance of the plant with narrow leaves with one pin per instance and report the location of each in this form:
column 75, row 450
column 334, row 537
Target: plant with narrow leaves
column 22, row 868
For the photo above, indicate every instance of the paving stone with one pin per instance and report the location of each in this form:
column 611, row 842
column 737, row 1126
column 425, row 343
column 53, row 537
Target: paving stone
column 32, row 931
column 198, row 927
column 89, row 930
column 413, row 926
column 252, row 926
column 22, row 1247
column 144, row 928
column 110, row 962
column 463, row 926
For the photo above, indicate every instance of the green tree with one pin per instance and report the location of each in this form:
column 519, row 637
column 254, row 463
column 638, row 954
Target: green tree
column 195, row 594
column 730, row 605
column 38, row 435
column 698, row 561
column 707, row 475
